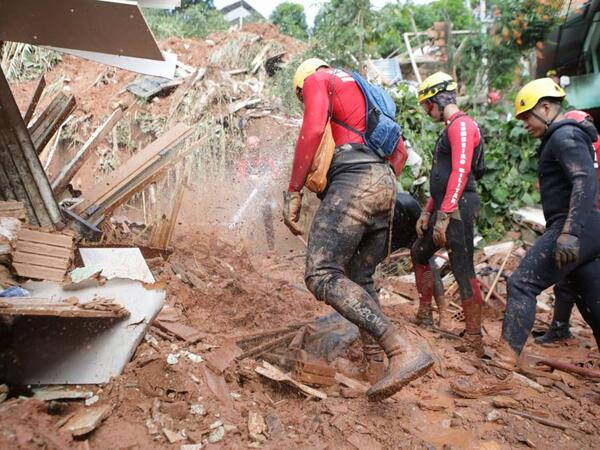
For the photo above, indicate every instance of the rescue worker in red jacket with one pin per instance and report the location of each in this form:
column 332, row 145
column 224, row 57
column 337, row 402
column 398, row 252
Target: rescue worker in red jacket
column 448, row 217
column 350, row 229
column 564, row 301
column 568, row 253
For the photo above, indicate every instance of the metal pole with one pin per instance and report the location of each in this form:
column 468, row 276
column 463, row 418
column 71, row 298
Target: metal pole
column 413, row 63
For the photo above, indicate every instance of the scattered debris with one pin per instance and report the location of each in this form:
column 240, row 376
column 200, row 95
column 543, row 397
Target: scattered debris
column 219, row 360
column 87, row 420
column 217, row 385
column 273, row 373
column 256, row 426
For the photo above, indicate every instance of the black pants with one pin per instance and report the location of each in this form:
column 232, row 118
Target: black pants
column 459, row 237
column 347, row 240
column 538, row 271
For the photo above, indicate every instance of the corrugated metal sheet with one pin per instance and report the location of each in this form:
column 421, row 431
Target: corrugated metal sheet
column 389, row 70
column 21, row 174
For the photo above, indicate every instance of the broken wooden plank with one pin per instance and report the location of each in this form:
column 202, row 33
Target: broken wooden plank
column 219, row 360
column 39, row 260
column 34, row 99
column 273, row 373
column 351, row 382
column 87, row 420
column 183, row 332
column 148, row 176
column 217, row 385
column 33, row 247
column 49, row 238
column 39, row 273
column 13, row 208
column 133, row 167
column 567, row 367
column 32, row 306
column 542, row 420
column 43, row 255
column 176, row 209
column 21, row 174
column 51, row 119
column 265, row 347
column 55, row 311
column 241, row 104
column 61, row 181
column 59, row 393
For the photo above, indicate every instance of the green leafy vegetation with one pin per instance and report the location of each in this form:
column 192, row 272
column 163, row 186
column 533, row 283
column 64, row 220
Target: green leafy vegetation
column 291, row 20
column 195, row 20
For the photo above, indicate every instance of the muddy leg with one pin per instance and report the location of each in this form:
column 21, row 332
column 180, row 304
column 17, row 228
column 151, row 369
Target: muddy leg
column 267, row 214
column 421, row 253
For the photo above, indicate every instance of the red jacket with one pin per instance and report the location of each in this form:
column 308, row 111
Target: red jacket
column 348, row 105
column 463, row 137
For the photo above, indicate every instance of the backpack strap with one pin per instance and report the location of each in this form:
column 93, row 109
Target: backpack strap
column 348, row 127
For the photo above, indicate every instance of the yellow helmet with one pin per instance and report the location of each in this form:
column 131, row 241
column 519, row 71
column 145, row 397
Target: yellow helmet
column 434, row 84
column 534, row 91
column 306, row 69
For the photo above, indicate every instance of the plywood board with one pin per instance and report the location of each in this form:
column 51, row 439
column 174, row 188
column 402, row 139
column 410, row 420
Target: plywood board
column 115, row 28
column 118, row 263
column 87, row 350
column 165, row 69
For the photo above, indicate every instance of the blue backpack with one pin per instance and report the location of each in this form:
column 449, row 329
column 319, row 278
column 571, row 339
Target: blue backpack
column 382, row 131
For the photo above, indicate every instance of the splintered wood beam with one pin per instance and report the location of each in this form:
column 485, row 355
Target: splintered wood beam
column 60, row 183
column 50, row 120
column 34, row 100
column 131, row 169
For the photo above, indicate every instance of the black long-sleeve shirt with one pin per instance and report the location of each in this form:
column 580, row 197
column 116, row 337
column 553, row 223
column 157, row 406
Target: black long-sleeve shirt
column 568, row 183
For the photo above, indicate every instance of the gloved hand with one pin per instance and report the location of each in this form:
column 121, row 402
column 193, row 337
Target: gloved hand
column 423, row 224
column 567, row 250
column 439, row 230
column 292, row 203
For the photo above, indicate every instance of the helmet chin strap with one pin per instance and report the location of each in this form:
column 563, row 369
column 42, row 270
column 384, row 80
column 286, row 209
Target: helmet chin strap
column 546, row 122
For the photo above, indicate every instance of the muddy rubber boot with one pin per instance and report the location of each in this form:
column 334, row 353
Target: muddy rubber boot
column 442, row 306
column 405, row 363
column 374, row 368
column 497, row 381
column 472, row 339
column 424, row 316
column 558, row 331
column 438, row 296
column 424, row 281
